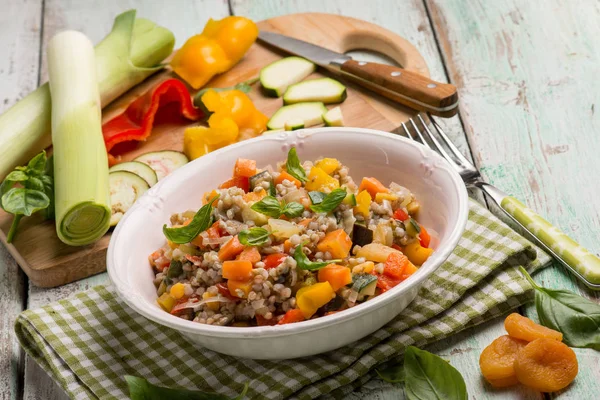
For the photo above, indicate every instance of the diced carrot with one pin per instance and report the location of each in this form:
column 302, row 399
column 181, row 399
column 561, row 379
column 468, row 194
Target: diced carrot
column 285, row 176
column 240, row 181
column 238, row 270
column 231, row 249
column 401, row 215
column 262, row 321
column 213, row 232
column 208, row 196
column 424, row 237
column 373, row 186
column 273, row 260
column 244, row 167
column 305, row 222
column 291, row 316
column 409, row 270
column 239, row 288
column 254, row 196
column 394, row 265
column 337, row 276
column 250, row 254
column 337, row 243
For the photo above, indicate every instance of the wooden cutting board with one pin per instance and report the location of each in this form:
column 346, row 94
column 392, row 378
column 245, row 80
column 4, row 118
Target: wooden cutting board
column 48, row 262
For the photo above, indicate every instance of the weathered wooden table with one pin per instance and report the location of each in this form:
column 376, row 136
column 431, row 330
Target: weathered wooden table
column 527, row 72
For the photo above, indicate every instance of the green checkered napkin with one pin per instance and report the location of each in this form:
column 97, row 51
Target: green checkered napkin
column 89, row 342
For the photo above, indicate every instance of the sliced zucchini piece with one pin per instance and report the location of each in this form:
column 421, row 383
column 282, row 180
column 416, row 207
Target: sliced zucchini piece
column 163, row 162
column 294, row 124
column 138, row 168
column 273, row 131
column 326, row 90
column 259, row 178
column 350, row 199
column 364, row 284
column 311, row 113
column 334, row 117
column 125, row 188
column 277, row 76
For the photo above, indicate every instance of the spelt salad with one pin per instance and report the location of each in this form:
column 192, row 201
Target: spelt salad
column 287, row 244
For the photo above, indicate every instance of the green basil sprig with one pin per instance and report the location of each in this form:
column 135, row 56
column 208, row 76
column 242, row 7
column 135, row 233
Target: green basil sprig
column 303, row 262
column 27, row 190
column 330, row 202
column 428, row 376
column 293, row 166
column 141, row 389
column 316, row 197
column 576, row 317
column 255, row 236
column 201, row 221
column 270, row 206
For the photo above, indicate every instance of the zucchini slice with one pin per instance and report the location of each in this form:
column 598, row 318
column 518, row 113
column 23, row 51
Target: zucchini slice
column 294, row 124
column 325, row 90
column 125, row 188
column 277, row 76
column 364, row 284
column 138, row 168
column 334, row 117
column 163, row 162
column 311, row 113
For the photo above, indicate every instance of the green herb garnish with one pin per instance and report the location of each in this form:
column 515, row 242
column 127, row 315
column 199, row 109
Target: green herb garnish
column 576, row 317
column 254, row 236
column 330, row 202
column 201, row 221
column 141, row 389
column 317, row 197
column 175, row 269
column 303, row 262
column 27, row 190
column 272, row 189
column 271, row 207
column 293, row 166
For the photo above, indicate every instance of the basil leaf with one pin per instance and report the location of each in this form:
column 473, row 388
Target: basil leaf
column 428, row 376
column 253, row 236
column 272, row 189
column 35, row 183
column 316, row 197
column 303, row 262
column 24, row 201
column 292, row 210
column 268, row 205
column 293, row 166
column 576, row 317
column 201, row 221
column 415, row 225
column 393, row 374
column 175, row 269
column 141, row 389
column 330, row 202
column 16, row 176
column 37, row 164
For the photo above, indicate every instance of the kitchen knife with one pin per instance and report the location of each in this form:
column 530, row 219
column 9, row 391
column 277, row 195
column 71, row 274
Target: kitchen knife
column 405, row 87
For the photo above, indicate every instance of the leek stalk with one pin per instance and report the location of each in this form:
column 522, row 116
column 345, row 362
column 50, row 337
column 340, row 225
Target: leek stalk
column 128, row 55
column 82, row 201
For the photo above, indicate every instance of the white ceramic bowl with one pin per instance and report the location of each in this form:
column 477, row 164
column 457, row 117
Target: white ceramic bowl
column 388, row 157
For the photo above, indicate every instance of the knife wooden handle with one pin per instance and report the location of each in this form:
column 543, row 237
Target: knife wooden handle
column 405, row 87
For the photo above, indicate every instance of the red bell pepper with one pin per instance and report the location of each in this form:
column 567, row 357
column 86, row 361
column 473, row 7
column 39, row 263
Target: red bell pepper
column 135, row 123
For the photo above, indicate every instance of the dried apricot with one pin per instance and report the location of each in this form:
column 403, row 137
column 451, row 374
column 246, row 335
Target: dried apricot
column 503, row 382
column 497, row 360
column 546, row 365
column 523, row 328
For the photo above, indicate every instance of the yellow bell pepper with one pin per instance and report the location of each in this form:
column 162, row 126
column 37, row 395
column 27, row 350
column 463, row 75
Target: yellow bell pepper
column 213, row 305
column 200, row 140
column 311, row 298
column 166, row 302
column 321, row 181
column 218, row 48
column 416, row 253
column 379, row 197
column 328, row 165
column 363, row 203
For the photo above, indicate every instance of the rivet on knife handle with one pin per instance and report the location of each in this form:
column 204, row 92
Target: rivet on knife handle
column 570, row 252
column 406, row 87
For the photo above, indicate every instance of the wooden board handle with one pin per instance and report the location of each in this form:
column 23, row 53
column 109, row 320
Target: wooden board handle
column 405, row 87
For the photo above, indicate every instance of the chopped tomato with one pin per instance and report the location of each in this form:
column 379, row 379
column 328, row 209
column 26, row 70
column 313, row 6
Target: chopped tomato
column 243, row 182
column 400, row 215
column 424, row 237
column 224, row 291
column 274, row 260
column 262, row 321
column 292, row 316
column 394, row 265
column 395, row 246
column 385, row 282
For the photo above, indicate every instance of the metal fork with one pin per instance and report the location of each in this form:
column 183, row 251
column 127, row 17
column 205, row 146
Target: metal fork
column 582, row 263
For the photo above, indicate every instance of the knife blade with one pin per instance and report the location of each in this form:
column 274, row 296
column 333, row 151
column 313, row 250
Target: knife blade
column 403, row 86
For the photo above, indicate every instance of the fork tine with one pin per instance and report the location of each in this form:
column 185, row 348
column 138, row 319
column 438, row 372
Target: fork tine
column 449, row 143
column 437, row 144
column 423, row 141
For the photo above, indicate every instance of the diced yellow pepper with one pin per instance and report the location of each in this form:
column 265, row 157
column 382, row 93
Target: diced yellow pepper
column 379, row 197
column 416, row 253
column 172, row 245
column 200, row 140
column 321, row 181
column 328, row 165
column 177, row 290
column 311, row 298
column 235, row 287
column 363, row 203
column 166, row 302
column 213, row 305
